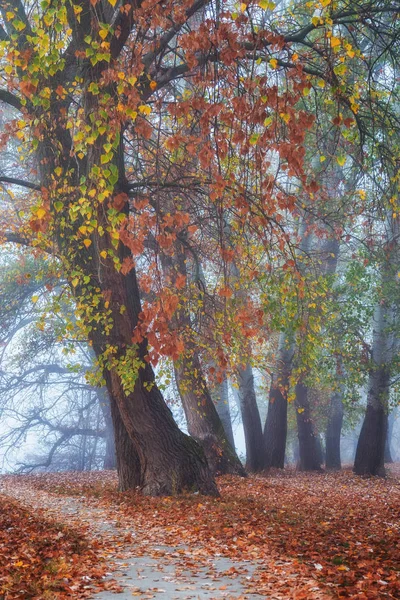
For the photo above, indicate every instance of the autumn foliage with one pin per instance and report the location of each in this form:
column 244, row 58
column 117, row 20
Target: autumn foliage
column 310, row 536
column 43, row 559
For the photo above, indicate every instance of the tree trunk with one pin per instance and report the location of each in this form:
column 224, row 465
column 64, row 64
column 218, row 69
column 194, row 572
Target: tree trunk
column 333, row 431
column 370, row 454
column 275, row 430
column 170, row 461
column 388, row 453
column 256, row 459
column 110, row 458
column 203, row 422
column 309, row 445
column 220, row 395
column 335, row 420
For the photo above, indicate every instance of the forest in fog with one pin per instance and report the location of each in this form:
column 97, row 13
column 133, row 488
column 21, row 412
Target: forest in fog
column 200, row 245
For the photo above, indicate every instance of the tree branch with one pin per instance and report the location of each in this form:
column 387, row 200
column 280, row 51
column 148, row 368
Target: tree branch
column 10, row 99
column 20, row 182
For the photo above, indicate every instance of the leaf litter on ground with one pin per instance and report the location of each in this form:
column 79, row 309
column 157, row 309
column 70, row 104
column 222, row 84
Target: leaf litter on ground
column 329, row 535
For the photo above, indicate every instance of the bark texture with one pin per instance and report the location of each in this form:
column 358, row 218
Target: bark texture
column 203, row 421
column 333, row 431
column 309, row 444
column 256, row 457
column 170, row 461
column 275, row 430
column 110, row 458
column 220, row 395
column 388, row 450
column 370, row 453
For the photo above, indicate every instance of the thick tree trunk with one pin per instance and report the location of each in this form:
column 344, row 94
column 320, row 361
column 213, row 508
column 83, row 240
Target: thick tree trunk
column 333, row 431
column 129, row 470
column 275, row 430
column 220, row 396
column 370, row 454
column 203, row 422
column 256, row 458
column 170, row 461
column 309, row 445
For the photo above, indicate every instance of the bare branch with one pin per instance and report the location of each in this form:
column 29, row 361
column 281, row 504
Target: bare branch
column 20, row 182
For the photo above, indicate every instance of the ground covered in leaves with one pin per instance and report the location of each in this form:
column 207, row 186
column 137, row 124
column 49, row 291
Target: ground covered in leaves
column 42, row 559
column 336, row 530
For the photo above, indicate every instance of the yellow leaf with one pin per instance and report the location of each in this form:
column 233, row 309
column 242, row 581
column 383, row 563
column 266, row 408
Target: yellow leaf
column 103, row 254
column 321, row 83
column 103, row 33
column 266, row 5
column 243, row 6
column 35, row 299
column 322, row 158
column 8, row 69
column 75, row 282
column 273, row 62
column 113, row 2
column 341, row 160
column 335, row 42
column 87, row 242
column 153, row 85
column 306, row 91
column 145, row 109
column 58, row 171
column 300, row 410
column 40, row 213
column 83, row 229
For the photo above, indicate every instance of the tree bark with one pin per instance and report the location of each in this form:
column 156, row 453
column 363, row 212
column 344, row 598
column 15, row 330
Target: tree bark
column 110, row 458
column 170, row 461
column 388, row 453
column 333, row 431
column 256, row 458
column 370, row 454
column 220, row 395
column 275, row 430
column 309, row 445
column 203, row 422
